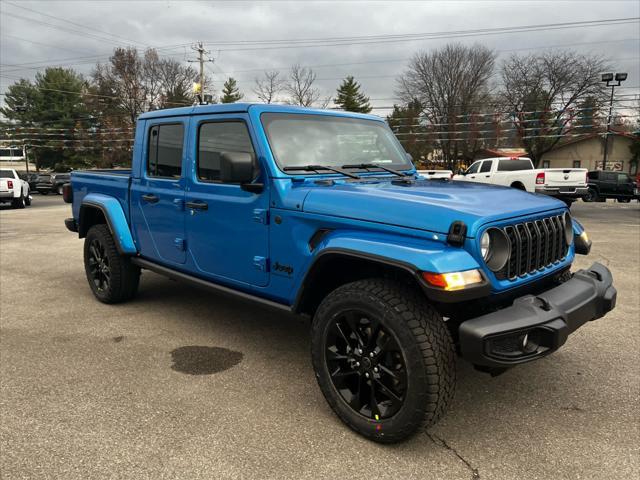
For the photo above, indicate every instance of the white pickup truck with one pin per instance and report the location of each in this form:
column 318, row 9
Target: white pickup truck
column 436, row 174
column 13, row 189
column 567, row 184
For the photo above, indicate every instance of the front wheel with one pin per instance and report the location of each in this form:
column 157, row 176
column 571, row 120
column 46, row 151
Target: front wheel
column 383, row 358
column 112, row 277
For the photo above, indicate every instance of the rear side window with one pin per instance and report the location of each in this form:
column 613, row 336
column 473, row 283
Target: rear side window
column 623, row 178
column 486, row 166
column 6, row 174
column 214, row 139
column 165, row 150
column 513, row 165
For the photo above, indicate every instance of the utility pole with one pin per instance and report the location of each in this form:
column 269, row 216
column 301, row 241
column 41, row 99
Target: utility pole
column 198, row 47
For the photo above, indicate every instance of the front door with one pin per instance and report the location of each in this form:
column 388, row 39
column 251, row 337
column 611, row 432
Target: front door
column 157, row 196
column 227, row 227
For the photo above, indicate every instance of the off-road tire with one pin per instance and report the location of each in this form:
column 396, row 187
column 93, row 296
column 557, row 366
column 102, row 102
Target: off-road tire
column 124, row 276
column 591, row 196
column 18, row 202
column 426, row 346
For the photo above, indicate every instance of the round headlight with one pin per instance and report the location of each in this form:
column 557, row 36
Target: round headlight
column 485, row 245
column 497, row 248
column 568, row 228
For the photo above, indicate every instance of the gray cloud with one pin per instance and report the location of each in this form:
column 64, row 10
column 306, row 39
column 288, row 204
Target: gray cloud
column 28, row 37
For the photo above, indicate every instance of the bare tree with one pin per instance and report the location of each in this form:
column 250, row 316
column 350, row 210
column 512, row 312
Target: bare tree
column 268, row 88
column 300, row 86
column 543, row 92
column 451, row 83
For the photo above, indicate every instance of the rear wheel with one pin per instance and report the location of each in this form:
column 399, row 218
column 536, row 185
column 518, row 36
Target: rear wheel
column 383, row 358
column 591, row 196
column 111, row 276
column 624, row 200
column 18, row 202
column 27, row 200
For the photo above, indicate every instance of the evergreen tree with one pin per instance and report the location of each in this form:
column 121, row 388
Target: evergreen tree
column 230, row 92
column 407, row 123
column 350, row 98
column 588, row 110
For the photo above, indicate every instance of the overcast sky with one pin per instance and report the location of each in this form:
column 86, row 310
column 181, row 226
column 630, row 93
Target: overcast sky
column 42, row 35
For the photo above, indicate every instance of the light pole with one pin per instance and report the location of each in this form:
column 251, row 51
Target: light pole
column 613, row 82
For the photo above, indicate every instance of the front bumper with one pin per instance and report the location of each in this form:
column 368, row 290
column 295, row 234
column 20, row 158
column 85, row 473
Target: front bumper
column 537, row 325
column 577, row 192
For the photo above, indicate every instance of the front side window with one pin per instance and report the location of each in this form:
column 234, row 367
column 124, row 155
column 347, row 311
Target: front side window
column 515, row 165
column 299, row 140
column 473, row 168
column 215, row 138
column 165, row 151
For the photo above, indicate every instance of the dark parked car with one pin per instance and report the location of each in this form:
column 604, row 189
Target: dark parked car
column 31, row 179
column 51, row 182
column 605, row 184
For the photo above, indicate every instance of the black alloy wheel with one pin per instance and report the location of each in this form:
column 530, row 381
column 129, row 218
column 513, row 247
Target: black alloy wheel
column 111, row 276
column 99, row 266
column 366, row 365
column 383, row 358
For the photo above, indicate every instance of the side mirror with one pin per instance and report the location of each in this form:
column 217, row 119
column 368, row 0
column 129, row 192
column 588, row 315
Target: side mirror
column 461, row 171
column 409, row 157
column 238, row 167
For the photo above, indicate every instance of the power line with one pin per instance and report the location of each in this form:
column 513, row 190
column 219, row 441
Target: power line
column 373, row 39
column 92, row 29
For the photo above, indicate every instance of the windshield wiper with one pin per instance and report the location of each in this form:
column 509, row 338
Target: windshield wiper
column 315, row 168
column 375, row 165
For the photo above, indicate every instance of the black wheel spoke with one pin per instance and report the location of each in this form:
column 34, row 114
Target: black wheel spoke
column 395, row 399
column 365, row 364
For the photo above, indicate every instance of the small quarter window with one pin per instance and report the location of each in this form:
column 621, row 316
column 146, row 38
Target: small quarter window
column 164, row 158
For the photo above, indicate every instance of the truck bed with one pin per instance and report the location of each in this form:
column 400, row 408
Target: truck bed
column 114, row 183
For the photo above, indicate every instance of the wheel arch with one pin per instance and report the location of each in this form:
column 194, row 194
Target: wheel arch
column 519, row 185
column 101, row 209
column 335, row 267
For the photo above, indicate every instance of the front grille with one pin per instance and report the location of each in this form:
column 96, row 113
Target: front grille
column 534, row 246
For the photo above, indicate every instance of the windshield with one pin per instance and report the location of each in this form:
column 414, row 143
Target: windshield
column 299, row 140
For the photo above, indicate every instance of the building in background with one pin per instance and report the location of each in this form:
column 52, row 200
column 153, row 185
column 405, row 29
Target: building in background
column 588, row 152
column 13, row 156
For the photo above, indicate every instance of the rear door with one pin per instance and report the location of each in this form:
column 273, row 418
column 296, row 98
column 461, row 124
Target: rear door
column 484, row 173
column 227, row 227
column 626, row 185
column 157, row 196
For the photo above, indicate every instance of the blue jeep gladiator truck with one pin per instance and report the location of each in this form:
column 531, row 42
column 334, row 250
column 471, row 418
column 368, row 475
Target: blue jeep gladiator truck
column 322, row 214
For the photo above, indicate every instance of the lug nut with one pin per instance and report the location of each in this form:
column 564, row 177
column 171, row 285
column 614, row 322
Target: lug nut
column 360, row 351
column 375, row 369
column 366, row 375
column 357, row 364
column 371, row 354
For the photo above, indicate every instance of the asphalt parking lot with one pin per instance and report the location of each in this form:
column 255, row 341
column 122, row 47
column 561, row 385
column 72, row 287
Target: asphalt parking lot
column 181, row 383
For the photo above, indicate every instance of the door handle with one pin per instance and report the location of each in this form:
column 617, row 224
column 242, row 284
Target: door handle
column 197, row 205
column 487, row 176
column 149, row 198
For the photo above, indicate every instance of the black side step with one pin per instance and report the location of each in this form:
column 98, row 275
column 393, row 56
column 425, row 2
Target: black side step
column 198, row 282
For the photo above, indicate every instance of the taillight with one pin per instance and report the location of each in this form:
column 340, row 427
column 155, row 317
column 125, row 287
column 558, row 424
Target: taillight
column 540, row 178
column 9, row 184
column 586, row 178
column 67, row 193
